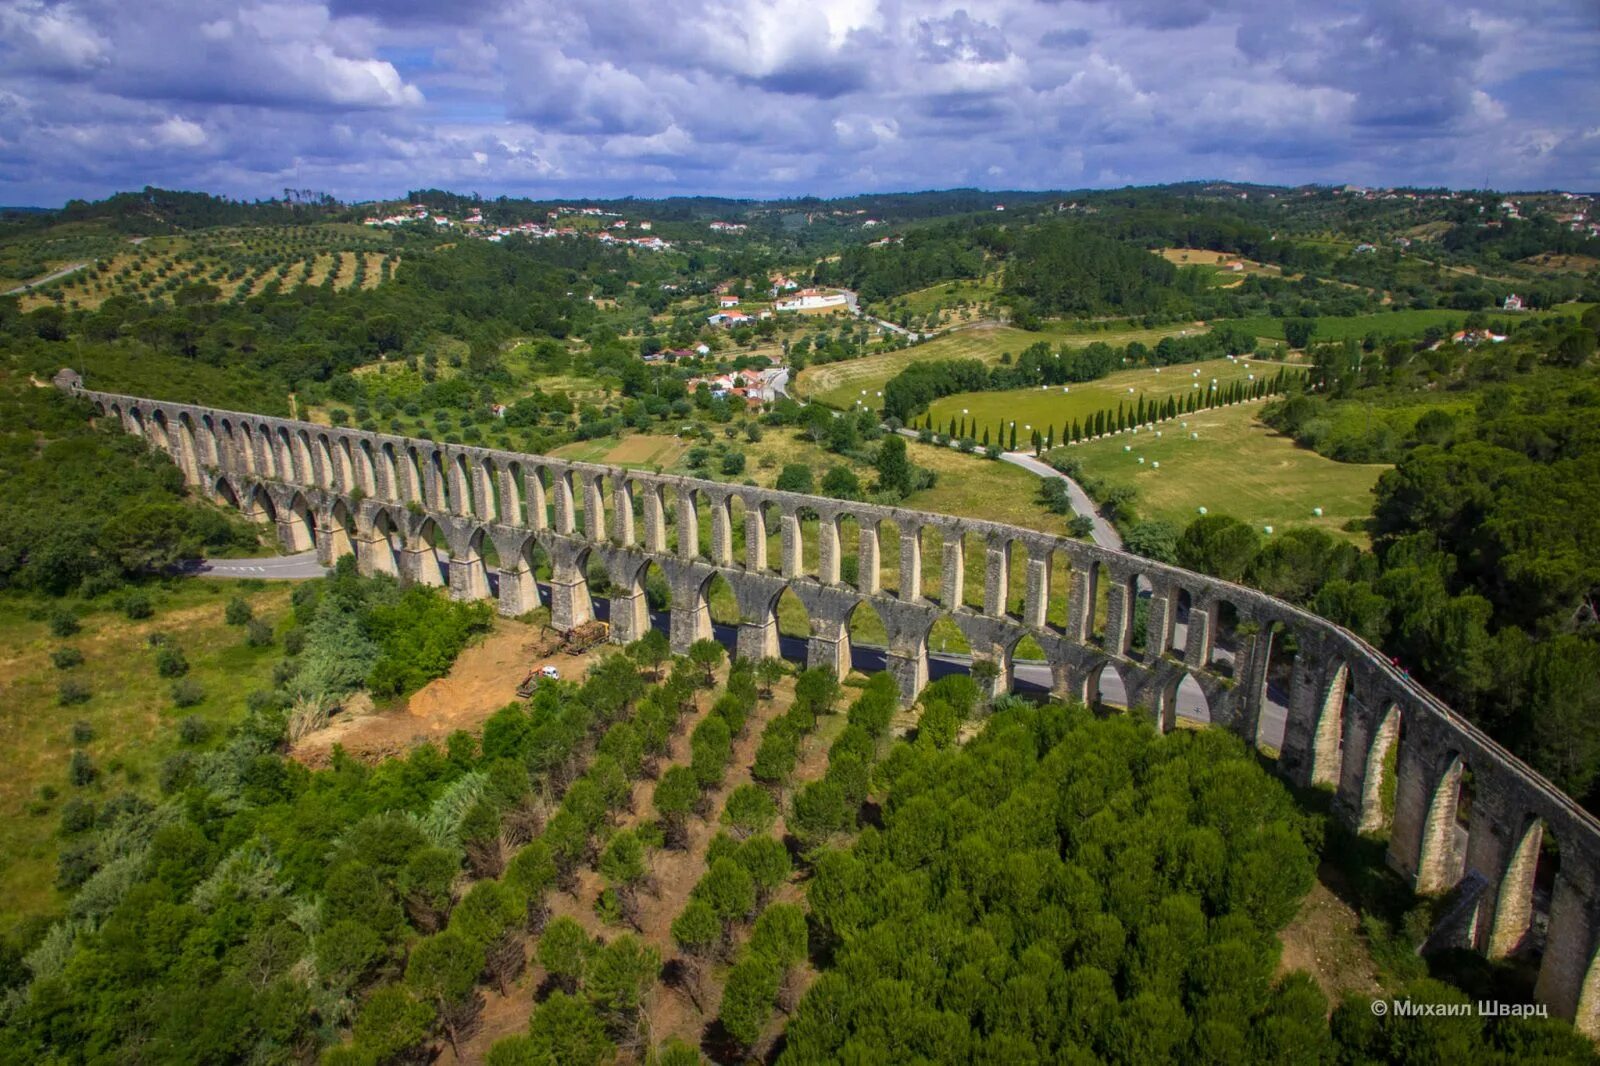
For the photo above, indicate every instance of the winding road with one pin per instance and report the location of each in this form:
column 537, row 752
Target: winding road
column 71, row 268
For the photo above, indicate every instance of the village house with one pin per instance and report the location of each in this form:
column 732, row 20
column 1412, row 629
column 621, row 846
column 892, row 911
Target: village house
column 1513, row 303
column 811, row 300
column 727, row 299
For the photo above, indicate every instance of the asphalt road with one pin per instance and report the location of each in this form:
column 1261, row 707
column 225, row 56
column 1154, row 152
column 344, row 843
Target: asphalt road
column 47, row 279
column 274, row 568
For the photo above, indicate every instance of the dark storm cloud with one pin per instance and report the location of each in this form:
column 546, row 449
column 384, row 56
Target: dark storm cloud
column 371, row 97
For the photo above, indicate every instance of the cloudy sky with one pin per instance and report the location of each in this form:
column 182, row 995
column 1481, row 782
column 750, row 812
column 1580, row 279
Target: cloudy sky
column 370, row 98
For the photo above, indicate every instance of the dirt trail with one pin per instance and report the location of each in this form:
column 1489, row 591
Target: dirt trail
column 483, row 680
column 1324, row 940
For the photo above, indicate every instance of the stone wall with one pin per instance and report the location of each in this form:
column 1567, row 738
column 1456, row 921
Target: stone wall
column 447, row 514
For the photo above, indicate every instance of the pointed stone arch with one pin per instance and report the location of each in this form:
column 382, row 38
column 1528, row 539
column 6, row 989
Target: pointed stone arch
column 1512, row 918
column 429, row 554
column 1438, row 859
column 1378, row 777
column 342, row 535
column 380, row 550
column 1183, row 698
column 329, row 476
column 1327, row 738
column 298, row 525
column 474, row 571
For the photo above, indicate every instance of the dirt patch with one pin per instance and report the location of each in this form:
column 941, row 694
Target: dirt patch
column 484, row 679
column 663, row 451
column 1324, row 940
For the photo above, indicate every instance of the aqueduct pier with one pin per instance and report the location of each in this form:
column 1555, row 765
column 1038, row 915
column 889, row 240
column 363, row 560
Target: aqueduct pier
column 1461, row 813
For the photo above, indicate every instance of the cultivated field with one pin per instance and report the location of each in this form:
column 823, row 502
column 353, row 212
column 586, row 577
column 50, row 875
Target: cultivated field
column 1237, row 467
column 1058, row 405
column 960, row 301
column 129, row 720
column 842, row 384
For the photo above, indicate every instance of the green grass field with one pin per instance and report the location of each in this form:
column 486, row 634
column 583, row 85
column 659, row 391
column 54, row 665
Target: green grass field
column 842, row 384
column 1043, row 407
column 130, row 713
column 1237, row 467
column 1388, row 325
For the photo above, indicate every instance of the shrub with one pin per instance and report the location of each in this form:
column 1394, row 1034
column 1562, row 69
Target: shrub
column 82, row 732
column 63, row 623
column 188, row 692
column 66, row 658
column 170, row 661
column 257, row 634
column 73, row 691
column 136, row 605
column 238, row 612
column 81, row 771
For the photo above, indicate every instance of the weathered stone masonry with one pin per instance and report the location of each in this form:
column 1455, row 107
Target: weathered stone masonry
column 397, row 503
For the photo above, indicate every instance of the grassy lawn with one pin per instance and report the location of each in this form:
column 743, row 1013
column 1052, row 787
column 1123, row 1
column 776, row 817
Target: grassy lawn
column 1237, row 467
column 842, row 384
column 1387, row 325
column 944, row 296
column 1059, row 405
column 131, row 713
column 637, row 451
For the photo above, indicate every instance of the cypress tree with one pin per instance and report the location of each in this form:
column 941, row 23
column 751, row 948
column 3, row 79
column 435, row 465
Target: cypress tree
column 1013, row 436
column 952, row 432
column 985, row 436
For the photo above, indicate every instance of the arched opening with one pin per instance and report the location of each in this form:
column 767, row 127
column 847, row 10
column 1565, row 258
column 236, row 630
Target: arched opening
column 1378, row 782
column 1186, row 701
column 772, row 526
column 652, row 583
column 289, row 468
column 1105, row 689
column 136, row 425
column 223, row 493
column 1522, row 905
column 431, row 555
column 267, row 454
column 510, row 498
column 1443, row 831
column 794, row 625
column 328, row 476
column 258, row 507
column 480, row 568
column 158, row 431
column 1278, row 682
column 1224, row 639
column 461, row 487
column 738, row 544
column 946, row 639
column 367, row 467
column 384, row 547
column 868, row 639
column 301, row 526
column 719, row 601
column 848, row 549
column 341, row 532
column 487, row 491
column 1327, row 738
column 302, row 460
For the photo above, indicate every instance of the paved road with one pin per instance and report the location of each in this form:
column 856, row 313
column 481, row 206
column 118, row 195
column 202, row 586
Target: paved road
column 47, row 279
column 274, row 568
column 854, row 303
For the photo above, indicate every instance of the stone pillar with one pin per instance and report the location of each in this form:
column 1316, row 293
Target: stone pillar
column 538, row 506
column 1569, row 956
column 793, row 562
column 1080, row 604
column 869, row 579
column 996, row 579
column 1001, row 684
column 909, row 668
column 594, row 509
column 622, row 511
column 1065, row 685
column 755, row 539
column 570, row 605
column 1197, row 649
column 469, row 578
column 829, row 646
column 721, row 532
column 688, row 526
column 1300, row 726
column 691, row 616
column 1250, row 670
column 1119, row 617
column 374, row 555
column 655, row 520
column 630, row 616
column 909, row 586
column 1512, row 915
column 757, row 640
column 566, row 506
column 1158, row 626
column 828, row 550
column 953, row 572
column 1036, row 593
column 519, row 592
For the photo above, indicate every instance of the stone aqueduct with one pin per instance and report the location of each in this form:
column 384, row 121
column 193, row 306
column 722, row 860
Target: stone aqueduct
column 1353, row 718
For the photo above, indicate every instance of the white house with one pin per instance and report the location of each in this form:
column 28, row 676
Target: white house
column 811, row 300
column 1513, row 303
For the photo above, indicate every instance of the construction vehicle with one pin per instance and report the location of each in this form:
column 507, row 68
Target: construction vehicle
column 574, row 641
